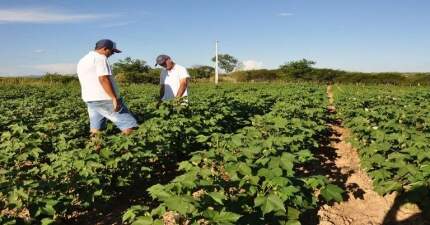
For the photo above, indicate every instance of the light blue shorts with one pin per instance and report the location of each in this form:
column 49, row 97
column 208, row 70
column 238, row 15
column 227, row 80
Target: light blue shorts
column 100, row 111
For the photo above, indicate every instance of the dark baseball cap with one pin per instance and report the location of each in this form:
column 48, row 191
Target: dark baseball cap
column 106, row 43
column 161, row 59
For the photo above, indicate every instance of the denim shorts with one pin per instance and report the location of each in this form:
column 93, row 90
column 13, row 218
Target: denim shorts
column 100, row 111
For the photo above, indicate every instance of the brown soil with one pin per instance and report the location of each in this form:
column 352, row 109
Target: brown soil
column 362, row 206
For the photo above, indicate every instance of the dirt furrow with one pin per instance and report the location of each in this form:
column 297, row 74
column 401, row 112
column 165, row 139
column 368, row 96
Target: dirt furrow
column 362, row 206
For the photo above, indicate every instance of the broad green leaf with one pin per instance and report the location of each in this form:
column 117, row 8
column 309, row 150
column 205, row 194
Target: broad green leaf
column 226, row 218
column 47, row 221
column 332, row 192
column 185, row 166
column 143, row 220
column 179, row 204
column 269, row 203
column 292, row 213
column 218, row 197
column 293, row 222
column 244, row 169
column 106, row 153
column 157, row 191
column 202, row 138
column 158, row 222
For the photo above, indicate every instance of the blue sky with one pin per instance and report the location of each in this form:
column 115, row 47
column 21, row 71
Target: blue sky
column 357, row 35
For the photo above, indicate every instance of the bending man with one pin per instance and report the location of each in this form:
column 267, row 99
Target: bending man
column 174, row 79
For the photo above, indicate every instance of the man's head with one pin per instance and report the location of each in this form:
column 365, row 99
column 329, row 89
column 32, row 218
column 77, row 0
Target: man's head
column 106, row 47
column 164, row 61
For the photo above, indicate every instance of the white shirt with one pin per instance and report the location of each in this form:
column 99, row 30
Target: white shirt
column 171, row 80
column 90, row 68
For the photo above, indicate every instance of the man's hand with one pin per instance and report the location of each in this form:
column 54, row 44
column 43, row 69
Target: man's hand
column 107, row 86
column 183, row 84
column 116, row 104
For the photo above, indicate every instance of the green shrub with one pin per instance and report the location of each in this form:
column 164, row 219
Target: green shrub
column 297, row 69
column 58, row 78
column 199, row 72
column 255, row 75
column 152, row 76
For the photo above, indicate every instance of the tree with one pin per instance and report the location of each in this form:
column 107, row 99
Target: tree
column 201, row 71
column 297, row 69
column 227, row 62
column 131, row 70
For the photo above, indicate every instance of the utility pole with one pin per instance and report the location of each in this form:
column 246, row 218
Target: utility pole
column 216, row 62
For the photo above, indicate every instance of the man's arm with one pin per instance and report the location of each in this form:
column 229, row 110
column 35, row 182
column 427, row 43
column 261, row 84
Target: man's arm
column 161, row 92
column 183, row 84
column 161, row 95
column 107, row 86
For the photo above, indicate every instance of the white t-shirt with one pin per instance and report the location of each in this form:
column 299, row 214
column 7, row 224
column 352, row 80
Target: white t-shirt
column 171, row 80
column 90, row 68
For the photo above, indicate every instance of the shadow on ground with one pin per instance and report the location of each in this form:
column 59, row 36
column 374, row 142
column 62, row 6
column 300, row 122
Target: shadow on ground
column 325, row 166
column 419, row 196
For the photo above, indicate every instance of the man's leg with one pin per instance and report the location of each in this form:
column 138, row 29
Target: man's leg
column 97, row 120
column 123, row 119
column 94, row 131
column 127, row 131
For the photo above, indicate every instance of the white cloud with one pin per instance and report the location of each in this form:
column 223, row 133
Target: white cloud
column 40, row 15
column 285, row 14
column 40, row 69
column 61, row 68
column 15, row 71
column 250, row 65
column 118, row 24
column 39, row 51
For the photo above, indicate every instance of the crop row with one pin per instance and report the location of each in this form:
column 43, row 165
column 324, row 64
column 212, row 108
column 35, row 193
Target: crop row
column 252, row 176
column 391, row 129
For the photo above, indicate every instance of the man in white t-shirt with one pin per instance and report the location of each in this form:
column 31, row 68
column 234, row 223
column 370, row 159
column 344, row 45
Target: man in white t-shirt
column 100, row 92
column 174, row 79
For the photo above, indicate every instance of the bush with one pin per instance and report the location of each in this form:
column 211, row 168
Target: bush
column 199, row 72
column 58, row 78
column 370, row 78
column 130, row 70
column 255, row 75
column 297, row 69
column 152, row 76
column 324, row 75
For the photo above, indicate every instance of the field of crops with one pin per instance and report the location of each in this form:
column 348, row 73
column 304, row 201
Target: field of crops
column 391, row 127
column 239, row 151
column 237, row 154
